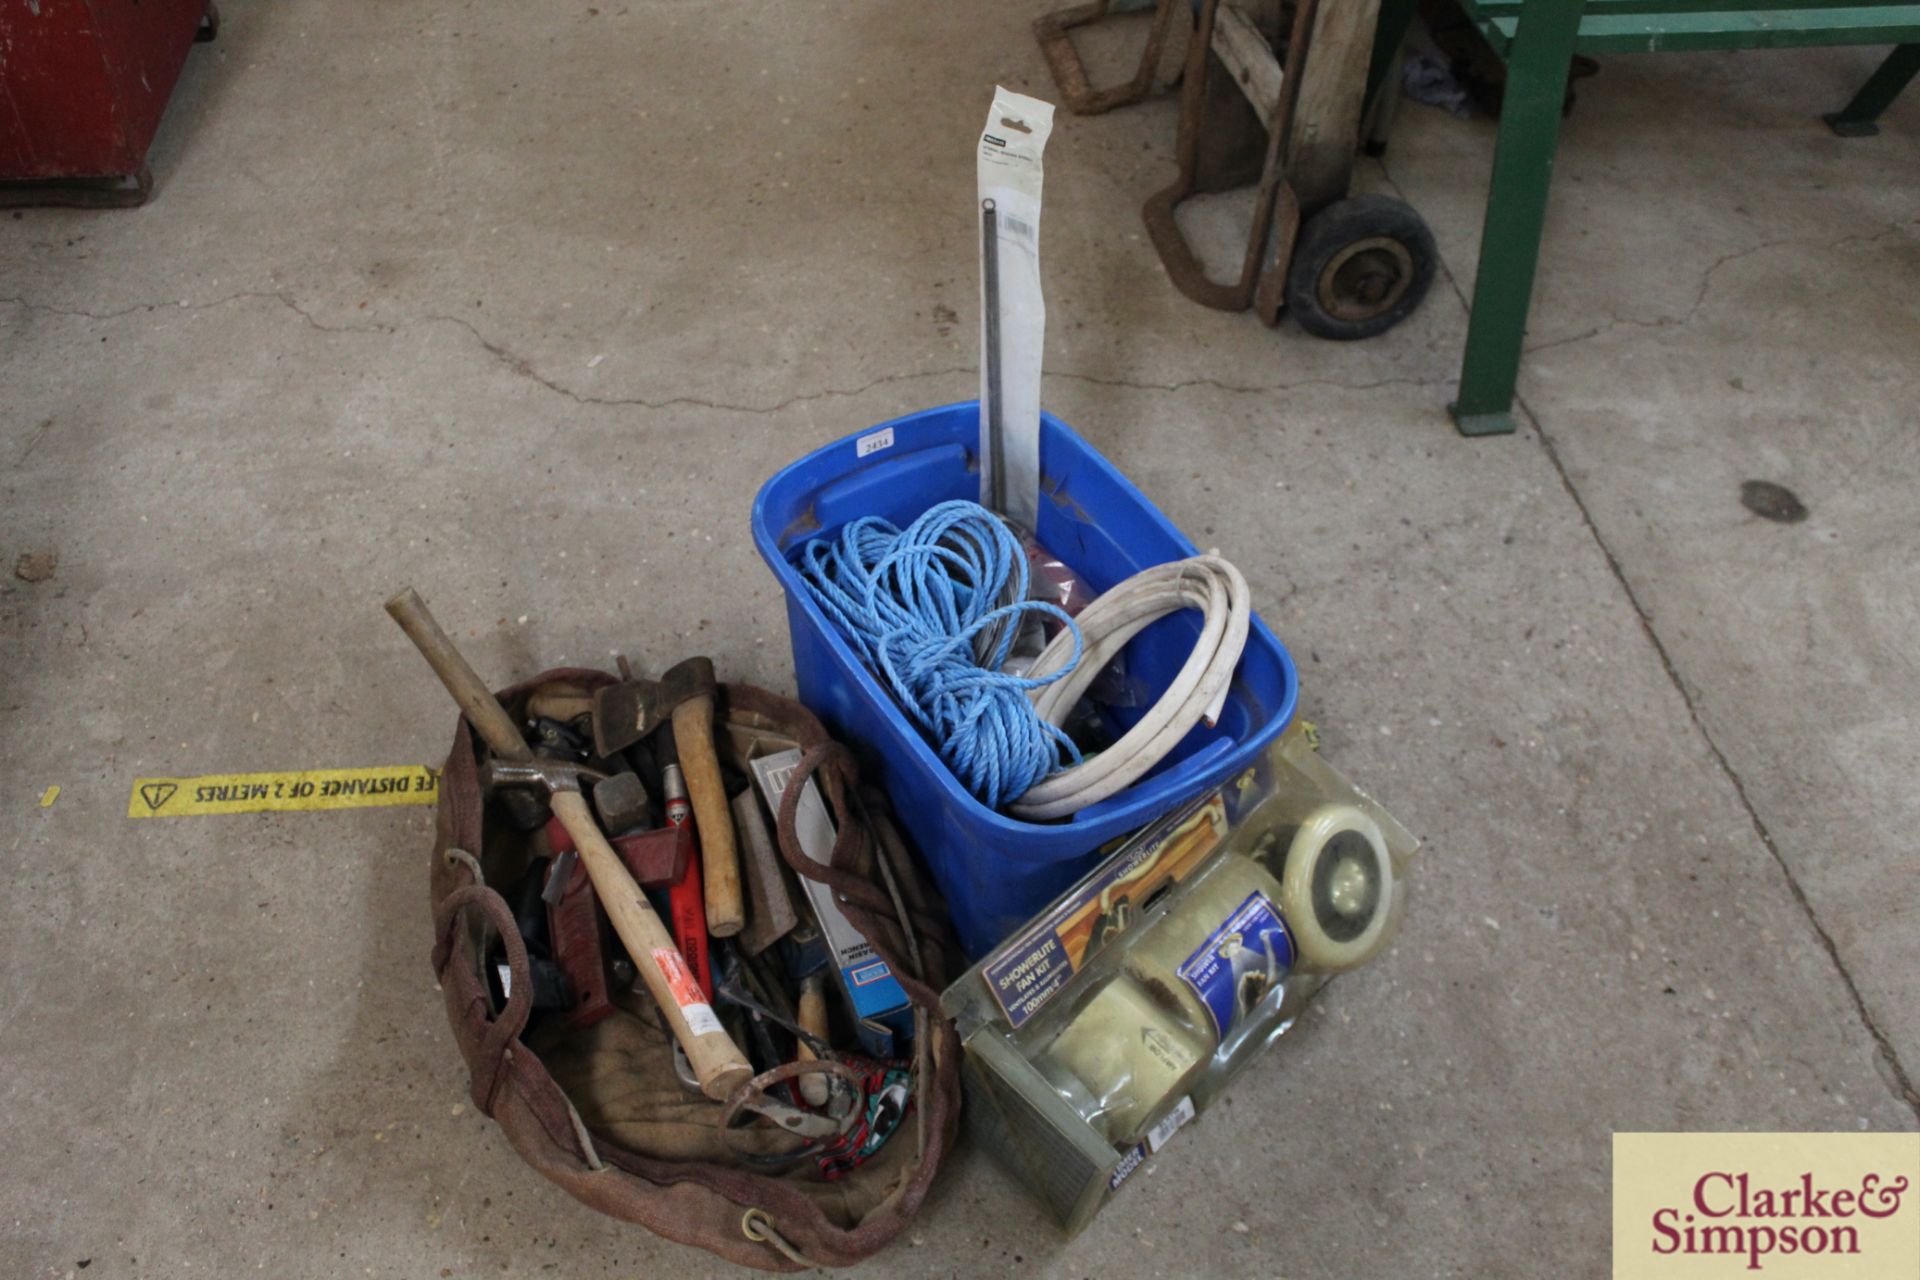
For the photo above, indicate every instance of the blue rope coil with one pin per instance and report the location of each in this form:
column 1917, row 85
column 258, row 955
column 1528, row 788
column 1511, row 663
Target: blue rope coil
column 914, row 602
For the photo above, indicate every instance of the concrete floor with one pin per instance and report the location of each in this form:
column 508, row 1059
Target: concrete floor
column 522, row 309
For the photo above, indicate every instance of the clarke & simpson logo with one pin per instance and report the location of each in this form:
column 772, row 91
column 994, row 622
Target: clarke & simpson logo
column 1726, row 1215
column 1688, row 1206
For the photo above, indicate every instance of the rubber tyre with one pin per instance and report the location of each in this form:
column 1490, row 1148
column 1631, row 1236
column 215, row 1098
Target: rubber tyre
column 1376, row 236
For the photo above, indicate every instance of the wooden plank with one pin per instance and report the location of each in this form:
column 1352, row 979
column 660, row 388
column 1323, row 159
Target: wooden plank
column 1249, row 59
column 1324, row 136
column 1771, row 29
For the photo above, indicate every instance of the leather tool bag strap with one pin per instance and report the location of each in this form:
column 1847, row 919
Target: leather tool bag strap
column 748, row 1217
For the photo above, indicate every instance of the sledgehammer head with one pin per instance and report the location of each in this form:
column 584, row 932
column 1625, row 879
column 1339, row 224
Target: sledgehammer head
column 623, row 804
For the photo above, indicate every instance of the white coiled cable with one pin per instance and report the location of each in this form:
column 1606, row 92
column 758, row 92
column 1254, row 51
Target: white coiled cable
column 1208, row 583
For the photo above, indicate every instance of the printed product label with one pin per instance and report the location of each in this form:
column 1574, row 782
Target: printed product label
column 1032, row 967
column 700, row 1018
column 1173, row 1056
column 686, row 992
column 1240, row 961
column 1170, row 1125
column 869, row 973
column 1128, row 1163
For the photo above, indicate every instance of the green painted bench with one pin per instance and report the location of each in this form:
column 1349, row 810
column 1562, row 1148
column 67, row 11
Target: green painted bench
column 1537, row 52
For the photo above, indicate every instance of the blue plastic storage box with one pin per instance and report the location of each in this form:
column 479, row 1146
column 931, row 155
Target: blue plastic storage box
column 997, row 871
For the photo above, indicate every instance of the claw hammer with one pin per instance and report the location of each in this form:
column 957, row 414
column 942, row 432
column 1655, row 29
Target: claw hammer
column 715, row 1058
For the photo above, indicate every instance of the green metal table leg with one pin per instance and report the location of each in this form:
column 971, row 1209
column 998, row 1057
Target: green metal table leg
column 1856, row 119
column 1543, row 45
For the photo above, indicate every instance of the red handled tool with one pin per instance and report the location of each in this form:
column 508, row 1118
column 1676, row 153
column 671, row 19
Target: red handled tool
column 687, row 913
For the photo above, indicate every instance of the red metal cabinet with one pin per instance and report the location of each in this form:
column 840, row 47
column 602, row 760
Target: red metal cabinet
column 84, row 83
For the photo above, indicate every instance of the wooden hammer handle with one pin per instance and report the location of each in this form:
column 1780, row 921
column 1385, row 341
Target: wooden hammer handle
column 713, row 819
column 716, row 1060
column 483, row 711
column 812, row 1017
column 558, row 702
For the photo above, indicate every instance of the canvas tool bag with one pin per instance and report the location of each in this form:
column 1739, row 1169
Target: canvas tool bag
column 598, row 1110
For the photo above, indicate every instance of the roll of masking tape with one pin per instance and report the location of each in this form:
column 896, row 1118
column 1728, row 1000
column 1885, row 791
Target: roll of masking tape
column 1336, row 891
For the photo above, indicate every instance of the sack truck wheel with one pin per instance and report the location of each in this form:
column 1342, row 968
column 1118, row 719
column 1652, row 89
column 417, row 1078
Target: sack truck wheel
column 1361, row 266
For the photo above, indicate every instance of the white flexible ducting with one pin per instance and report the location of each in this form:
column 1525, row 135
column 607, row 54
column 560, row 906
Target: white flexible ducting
column 1208, row 583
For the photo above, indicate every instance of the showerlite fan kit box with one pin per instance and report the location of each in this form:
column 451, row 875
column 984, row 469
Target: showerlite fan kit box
column 1125, row 1008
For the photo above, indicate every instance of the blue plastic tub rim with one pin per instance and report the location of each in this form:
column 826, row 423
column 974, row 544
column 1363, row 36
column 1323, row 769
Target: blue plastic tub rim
column 1088, row 819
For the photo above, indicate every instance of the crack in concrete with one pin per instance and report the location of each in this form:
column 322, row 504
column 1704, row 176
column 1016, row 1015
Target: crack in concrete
column 515, row 363
column 1901, row 1085
column 522, row 367
column 32, row 441
column 1706, row 284
column 277, row 295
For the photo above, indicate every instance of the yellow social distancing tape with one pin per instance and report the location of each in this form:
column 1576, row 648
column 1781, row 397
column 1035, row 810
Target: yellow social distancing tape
column 296, row 791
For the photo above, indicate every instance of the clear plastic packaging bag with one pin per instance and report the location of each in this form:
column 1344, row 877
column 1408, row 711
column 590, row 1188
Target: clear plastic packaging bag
column 1128, row 1006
